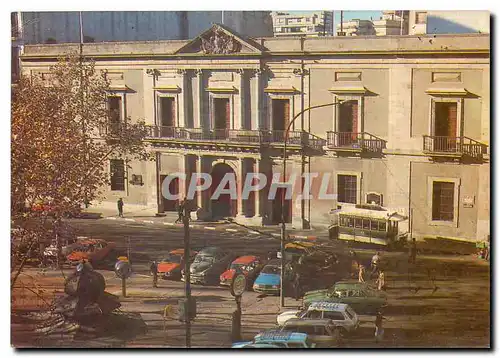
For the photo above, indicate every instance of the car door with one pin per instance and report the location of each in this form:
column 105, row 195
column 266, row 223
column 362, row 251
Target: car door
column 323, row 337
column 353, row 299
column 337, row 318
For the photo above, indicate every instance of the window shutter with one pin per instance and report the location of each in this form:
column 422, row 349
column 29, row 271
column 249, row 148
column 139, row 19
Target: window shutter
column 286, row 115
column 172, row 112
column 228, row 114
column 452, row 120
column 354, row 108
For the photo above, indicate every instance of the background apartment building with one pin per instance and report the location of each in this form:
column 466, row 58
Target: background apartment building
column 411, row 134
column 312, row 24
column 449, row 22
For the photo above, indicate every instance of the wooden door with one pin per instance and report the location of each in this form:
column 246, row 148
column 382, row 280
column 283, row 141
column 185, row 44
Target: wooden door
column 445, row 126
column 169, row 204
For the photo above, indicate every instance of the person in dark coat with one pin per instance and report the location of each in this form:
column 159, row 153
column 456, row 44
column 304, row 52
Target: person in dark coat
column 412, row 254
column 379, row 331
column 180, row 211
column 154, row 272
column 120, row 207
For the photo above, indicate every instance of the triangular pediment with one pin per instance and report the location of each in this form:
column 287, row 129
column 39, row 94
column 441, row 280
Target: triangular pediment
column 220, row 40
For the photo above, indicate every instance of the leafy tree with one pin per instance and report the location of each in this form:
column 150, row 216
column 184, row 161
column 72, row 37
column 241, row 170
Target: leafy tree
column 62, row 139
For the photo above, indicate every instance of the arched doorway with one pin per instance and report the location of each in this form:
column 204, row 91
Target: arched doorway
column 223, row 206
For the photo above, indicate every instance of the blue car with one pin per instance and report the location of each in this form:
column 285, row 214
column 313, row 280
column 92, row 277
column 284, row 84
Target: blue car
column 277, row 339
column 268, row 281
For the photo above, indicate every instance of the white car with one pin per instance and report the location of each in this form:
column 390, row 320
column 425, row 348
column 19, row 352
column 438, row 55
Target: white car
column 341, row 314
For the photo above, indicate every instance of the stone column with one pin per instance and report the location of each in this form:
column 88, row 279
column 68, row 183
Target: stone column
column 242, row 118
column 199, row 193
column 199, row 119
column 183, row 168
column 258, row 97
column 183, row 99
column 257, row 195
column 239, row 180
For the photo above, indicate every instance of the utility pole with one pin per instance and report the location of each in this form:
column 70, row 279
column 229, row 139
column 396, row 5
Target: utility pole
column 401, row 23
column 283, row 196
column 341, row 21
column 187, row 273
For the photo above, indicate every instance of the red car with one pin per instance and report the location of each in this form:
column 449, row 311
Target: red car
column 93, row 250
column 171, row 266
column 248, row 265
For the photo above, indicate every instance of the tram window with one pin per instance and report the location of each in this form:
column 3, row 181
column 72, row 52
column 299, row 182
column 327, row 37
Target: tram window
column 343, row 221
column 350, row 222
column 381, row 226
column 374, row 225
column 366, row 224
column 357, row 223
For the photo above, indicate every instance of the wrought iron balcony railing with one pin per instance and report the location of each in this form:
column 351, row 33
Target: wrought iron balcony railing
column 454, row 146
column 352, row 141
column 242, row 136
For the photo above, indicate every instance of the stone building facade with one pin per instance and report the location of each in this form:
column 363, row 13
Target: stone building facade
column 412, row 132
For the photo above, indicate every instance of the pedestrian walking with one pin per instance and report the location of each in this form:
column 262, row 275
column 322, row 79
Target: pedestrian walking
column 361, row 273
column 180, row 211
column 381, row 281
column 379, row 331
column 374, row 264
column 154, row 272
column 120, row 207
column 412, row 254
column 296, row 286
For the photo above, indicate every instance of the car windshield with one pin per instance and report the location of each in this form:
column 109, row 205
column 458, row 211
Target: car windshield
column 203, row 258
column 237, row 266
column 173, row 258
column 271, row 269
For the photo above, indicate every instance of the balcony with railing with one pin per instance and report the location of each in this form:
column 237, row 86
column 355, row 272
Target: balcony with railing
column 355, row 142
column 455, row 147
column 242, row 137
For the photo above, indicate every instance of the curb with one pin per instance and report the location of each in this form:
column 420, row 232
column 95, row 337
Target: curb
column 211, row 228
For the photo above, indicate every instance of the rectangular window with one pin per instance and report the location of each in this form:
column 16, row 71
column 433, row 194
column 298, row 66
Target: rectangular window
column 347, row 188
column 117, row 170
column 336, row 316
column 167, row 116
column 443, row 201
column 115, row 113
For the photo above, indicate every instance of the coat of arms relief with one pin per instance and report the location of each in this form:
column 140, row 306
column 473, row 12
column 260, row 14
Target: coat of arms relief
column 219, row 43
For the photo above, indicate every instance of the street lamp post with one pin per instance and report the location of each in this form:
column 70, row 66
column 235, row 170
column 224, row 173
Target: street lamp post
column 283, row 230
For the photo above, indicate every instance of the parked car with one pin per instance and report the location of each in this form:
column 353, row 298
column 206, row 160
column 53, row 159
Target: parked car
column 250, row 266
column 295, row 249
column 341, row 315
column 170, row 266
column 98, row 252
column 359, row 295
column 269, row 278
column 322, row 332
column 282, row 339
column 209, row 264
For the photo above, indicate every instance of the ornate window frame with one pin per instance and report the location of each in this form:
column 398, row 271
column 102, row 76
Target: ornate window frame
column 211, row 108
column 360, row 98
column 168, row 94
column 276, row 95
column 123, row 97
column 432, row 112
column 456, row 201
column 359, row 179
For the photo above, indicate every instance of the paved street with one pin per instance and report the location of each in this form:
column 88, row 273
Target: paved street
column 445, row 302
